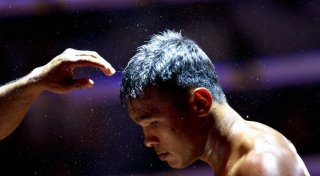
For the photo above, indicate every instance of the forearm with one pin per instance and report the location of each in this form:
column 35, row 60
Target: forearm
column 16, row 99
column 56, row 76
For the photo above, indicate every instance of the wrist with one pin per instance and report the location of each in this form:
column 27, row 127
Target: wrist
column 33, row 80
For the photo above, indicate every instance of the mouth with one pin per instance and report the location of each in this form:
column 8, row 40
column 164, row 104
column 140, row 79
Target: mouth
column 163, row 156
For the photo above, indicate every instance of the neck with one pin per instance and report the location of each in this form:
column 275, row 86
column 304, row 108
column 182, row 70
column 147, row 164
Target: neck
column 218, row 145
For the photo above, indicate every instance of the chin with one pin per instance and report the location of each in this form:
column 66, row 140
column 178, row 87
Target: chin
column 177, row 165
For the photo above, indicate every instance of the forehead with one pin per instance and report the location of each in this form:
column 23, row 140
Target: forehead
column 151, row 103
column 146, row 103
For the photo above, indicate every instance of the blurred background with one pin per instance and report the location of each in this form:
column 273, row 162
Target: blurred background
column 266, row 52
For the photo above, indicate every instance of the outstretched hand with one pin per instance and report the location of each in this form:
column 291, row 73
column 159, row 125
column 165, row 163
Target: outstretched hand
column 57, row 75
column 17, row 97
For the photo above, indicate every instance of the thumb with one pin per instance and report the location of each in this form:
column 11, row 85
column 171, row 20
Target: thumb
column 83, row 83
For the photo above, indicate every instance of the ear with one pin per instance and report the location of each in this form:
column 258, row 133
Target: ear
column 200, row 101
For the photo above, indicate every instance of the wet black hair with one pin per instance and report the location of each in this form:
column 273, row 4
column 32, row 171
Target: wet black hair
column 169, row 61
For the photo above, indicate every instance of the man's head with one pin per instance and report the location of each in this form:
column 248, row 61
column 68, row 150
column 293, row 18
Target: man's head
column 168, row 87
column 169, row 62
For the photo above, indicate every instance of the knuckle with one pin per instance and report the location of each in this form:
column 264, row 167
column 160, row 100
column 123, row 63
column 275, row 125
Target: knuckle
column 94, row 53
column 68, row 50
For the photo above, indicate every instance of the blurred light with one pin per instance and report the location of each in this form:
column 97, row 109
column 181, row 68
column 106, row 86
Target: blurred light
column 10, row 8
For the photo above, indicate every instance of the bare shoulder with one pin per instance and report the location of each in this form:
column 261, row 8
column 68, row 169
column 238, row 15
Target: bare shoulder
column 268, row 164
column 270, row 154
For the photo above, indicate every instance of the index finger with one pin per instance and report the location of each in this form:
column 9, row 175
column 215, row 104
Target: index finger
column 91, row 58
column 84, row 61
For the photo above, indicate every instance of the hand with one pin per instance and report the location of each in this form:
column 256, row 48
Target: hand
column 57, row 75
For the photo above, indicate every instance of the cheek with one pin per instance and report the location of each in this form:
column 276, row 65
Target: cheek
column 180, row 129
column 185, row 139
column 177, row 130
column 180, row 140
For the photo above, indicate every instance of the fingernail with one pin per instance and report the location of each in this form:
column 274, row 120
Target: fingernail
column 91, row 83
column 113, row 70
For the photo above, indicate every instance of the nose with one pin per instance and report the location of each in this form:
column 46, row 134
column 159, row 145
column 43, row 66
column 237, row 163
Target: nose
column 150, row 140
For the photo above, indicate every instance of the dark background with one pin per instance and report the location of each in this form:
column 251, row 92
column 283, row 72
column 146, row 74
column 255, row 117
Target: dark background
column 266, row 54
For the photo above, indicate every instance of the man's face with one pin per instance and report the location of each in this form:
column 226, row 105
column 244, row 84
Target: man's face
column 176, row 135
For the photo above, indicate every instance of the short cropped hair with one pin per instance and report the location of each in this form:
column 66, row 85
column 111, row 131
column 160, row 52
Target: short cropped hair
column 169, row 61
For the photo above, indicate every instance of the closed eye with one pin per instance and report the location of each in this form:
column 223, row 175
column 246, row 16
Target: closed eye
column 154, row 124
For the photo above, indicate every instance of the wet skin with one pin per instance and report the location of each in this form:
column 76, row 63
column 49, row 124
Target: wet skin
column 214, row 133
column 176, row 135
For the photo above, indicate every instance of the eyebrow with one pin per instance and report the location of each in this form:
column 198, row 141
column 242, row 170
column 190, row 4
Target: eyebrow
column 142, row 117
